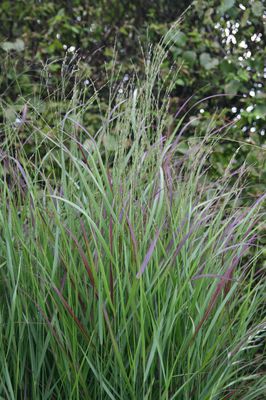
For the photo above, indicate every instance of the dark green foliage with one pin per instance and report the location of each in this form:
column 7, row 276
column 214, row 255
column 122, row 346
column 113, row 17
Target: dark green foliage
column 219, row 48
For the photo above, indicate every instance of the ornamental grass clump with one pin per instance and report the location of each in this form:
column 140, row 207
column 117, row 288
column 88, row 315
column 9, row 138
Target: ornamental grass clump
column 127, row 271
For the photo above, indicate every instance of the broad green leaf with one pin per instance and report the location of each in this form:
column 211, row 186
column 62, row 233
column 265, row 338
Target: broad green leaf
column 180, row 82
column 257, row 8
column 232, row 87
column 190, row 56
column 243, row 75
column 18, row 45
column 179, row 38
column 207, row 62
column 177, row 51
column 225, row 6
column 260, row 110
column 226, row 67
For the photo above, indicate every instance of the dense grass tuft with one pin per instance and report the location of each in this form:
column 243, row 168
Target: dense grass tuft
column 126, row 272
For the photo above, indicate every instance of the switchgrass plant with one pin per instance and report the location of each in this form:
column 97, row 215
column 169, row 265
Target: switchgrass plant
column 126, row 272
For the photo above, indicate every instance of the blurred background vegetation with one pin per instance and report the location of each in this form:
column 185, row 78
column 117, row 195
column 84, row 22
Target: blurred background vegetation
column 219, row 49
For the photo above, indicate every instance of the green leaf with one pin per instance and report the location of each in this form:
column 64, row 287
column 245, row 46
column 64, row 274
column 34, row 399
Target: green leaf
column 245, row 17
column 232, row 87
column 18, row 45
column 261, row 95
column 108, row 52
column 177, row 51
column 260, row 110
column 257, row 8
column 225, row 6
column 226, row 67
column 207, row 62
column 179, row 38
column 180, row 82
column 190, row 56
column 243, row 75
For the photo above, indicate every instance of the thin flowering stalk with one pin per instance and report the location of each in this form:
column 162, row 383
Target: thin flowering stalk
column 148, row 254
